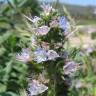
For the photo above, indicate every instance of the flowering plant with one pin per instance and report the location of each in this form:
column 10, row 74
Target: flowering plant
column 45, row 53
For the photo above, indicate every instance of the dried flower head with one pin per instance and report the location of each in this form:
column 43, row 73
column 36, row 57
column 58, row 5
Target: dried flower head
column 43, row 79
column 45, row 45
column 54, row 23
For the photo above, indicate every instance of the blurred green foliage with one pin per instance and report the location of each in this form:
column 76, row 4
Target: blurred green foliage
column 12, row 73
column 93, row 35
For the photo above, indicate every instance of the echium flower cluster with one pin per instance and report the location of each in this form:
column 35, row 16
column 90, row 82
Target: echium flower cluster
column 43, row 31
column 47, row 42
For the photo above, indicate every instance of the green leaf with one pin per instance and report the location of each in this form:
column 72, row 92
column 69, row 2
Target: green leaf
column 2, row 51
column 7, row 70
column 4, row 37
column 2, row 88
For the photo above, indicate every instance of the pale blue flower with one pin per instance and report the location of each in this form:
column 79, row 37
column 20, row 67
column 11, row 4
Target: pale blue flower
column 63, row 23
column 40, row 55
column 36, row 88
column 47, row 8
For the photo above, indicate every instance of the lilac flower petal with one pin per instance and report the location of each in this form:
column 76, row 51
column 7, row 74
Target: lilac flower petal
column 90, row 50
column 70, row 67
column 43, row 30
column 47, row 9
column 52, row 55
column 24, row 56
column 36, row 88
column 40, row 55
column 35, row 19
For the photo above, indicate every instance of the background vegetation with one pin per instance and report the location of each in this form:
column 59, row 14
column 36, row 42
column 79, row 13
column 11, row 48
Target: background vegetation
column 12, row 73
